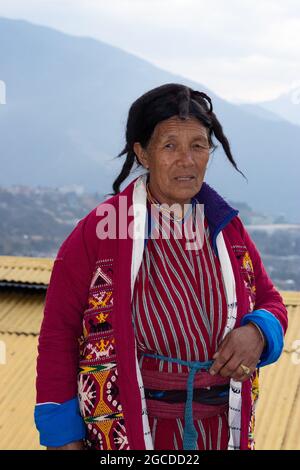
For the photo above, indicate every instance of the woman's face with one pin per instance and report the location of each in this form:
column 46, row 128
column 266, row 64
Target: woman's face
column 177, row 156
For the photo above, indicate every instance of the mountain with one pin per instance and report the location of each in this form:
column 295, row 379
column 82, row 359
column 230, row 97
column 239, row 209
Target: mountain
column 67, row 100
column 286, row 106
column 260, row 111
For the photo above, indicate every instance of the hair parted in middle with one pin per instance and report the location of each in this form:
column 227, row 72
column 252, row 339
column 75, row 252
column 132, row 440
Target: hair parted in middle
column 163, row 102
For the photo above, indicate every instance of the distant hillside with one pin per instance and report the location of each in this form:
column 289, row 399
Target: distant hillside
column 286, row 106
column 64, row 119
column 279, row 246
column 35, row 221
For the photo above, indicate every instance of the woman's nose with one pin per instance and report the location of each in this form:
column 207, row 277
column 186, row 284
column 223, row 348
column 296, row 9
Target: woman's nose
column 186, row 158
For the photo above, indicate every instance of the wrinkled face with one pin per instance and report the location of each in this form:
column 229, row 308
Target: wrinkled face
column 177, row 156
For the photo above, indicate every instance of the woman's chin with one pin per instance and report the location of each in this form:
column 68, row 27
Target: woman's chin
column 186, row 190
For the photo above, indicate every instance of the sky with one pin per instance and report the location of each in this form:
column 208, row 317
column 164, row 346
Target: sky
column 244, row 51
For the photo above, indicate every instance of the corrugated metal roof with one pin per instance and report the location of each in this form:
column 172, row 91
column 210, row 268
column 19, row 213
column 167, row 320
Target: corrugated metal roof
column 17, row 394
column 278, row 410
column 291, row 298
column 25, row 270
column 21, row 310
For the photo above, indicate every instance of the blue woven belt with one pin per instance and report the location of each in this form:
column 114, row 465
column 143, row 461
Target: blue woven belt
column 190, row 434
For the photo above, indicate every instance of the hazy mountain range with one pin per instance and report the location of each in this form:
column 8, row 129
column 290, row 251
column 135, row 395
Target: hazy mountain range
column 286, row 106
column 64, row 120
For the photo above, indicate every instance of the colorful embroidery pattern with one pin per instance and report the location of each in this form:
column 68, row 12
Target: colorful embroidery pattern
column 98, row 348
column 114, row 431
column 247, row 273
column 102, row 276
column 96, row 323
column 254, row 398
column 101, row 299
column 98, row 390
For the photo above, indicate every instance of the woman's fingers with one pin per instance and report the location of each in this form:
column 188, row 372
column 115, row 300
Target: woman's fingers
column 240, row 375
column 222, row 357
column 231, row 367
column 240, row 346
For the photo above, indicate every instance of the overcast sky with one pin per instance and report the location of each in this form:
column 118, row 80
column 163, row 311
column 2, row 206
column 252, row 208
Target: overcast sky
column 245, row 50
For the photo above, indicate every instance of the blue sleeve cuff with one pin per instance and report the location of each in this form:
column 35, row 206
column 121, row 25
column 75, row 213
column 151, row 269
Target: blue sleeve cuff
column 272, row 331
column 59, row 424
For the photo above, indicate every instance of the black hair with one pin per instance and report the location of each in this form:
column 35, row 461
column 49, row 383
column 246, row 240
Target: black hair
column 158, row 104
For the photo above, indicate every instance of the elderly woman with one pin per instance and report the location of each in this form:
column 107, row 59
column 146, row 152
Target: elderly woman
column 150, row 339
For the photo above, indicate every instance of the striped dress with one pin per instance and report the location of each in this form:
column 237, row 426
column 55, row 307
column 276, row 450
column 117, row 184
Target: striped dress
column 179, row 310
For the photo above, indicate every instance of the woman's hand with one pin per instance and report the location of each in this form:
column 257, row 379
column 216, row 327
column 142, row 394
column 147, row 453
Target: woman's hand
column 76, row 445
column 242, row 345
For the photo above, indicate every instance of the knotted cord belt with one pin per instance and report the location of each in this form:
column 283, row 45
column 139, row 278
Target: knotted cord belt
column 190, row 434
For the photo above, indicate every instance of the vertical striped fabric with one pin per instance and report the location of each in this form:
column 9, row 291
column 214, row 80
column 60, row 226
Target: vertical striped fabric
column 179, row 310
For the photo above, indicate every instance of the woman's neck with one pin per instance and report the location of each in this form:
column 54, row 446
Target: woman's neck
column 179, row 209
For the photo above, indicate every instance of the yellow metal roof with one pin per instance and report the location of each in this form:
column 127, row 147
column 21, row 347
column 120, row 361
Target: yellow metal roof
column 278, row 409
column 21, row 314
column 291, row 298
column 25, row 270
column 21, row 310
column 17, row 394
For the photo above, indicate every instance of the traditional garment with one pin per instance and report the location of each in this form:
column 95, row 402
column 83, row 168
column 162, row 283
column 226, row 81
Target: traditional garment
column 89, row 382
column 177, row 314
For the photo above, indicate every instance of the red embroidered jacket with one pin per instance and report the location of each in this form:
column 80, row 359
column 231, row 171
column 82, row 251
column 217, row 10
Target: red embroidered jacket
column 70, row 357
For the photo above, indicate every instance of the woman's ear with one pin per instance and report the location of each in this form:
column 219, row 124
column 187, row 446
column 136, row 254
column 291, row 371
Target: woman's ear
column 141, row 154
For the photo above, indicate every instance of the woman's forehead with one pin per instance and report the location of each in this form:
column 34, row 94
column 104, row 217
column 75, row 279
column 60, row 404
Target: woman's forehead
column 175, row 126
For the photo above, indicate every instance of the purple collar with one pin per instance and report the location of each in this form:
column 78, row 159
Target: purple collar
column 217, row 211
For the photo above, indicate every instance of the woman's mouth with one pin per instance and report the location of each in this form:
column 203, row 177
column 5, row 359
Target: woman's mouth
column 184, row 178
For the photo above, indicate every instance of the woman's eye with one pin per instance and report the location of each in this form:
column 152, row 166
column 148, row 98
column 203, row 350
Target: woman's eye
column 198, row 146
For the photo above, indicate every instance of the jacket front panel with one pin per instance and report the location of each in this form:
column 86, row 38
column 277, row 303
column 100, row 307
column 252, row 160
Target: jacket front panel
column 109, row 391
